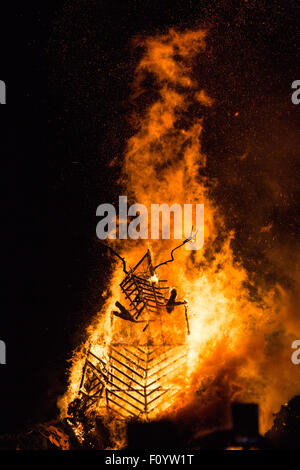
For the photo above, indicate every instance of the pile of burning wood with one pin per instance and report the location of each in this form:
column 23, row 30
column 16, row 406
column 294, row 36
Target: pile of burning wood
column 130, row 377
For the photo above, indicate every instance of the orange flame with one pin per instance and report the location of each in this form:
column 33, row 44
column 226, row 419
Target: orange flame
column 235, row 346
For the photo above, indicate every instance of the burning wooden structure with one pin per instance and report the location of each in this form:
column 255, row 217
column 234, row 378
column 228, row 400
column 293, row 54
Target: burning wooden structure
column 133, row 375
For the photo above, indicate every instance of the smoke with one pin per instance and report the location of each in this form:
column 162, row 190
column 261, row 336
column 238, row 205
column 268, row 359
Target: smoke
column 245, row 281
column 242, row 287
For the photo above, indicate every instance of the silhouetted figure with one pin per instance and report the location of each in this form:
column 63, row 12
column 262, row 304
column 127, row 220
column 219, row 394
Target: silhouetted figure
column 244, row 434
column 172, row 301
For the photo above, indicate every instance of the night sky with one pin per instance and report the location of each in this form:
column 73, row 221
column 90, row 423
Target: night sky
column 68, row 67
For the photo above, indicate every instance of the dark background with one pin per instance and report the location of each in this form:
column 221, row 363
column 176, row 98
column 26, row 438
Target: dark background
column 68, row 68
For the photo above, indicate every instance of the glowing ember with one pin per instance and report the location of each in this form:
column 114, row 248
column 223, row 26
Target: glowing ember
column 154, row 278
